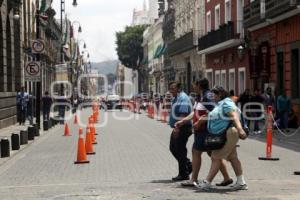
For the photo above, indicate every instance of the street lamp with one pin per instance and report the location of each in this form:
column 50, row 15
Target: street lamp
column 240, row 51
column 79, row 27
column 74, row 3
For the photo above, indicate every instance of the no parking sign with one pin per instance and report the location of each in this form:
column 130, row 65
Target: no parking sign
column 33, row 71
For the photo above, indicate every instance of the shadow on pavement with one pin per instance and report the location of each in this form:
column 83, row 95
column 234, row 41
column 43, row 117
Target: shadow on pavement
column 162, row 181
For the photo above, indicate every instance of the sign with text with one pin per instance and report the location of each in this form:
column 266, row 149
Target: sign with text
column 61, row 72
column 33, row 71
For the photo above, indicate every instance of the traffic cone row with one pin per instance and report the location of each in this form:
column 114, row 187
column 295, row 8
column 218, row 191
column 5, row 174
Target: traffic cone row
column 86, row 147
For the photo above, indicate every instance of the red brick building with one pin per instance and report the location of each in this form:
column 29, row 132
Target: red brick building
column 226, row 58
column 274, row 45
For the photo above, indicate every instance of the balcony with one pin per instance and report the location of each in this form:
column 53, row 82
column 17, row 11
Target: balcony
column 223, row 34
column 181, row 45
column 253, row 13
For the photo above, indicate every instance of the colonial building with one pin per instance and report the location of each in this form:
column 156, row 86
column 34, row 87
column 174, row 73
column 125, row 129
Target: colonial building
column 153, row 42
column 187, row 63
column 10, row 59
column 274, row 34
column 140, row 16
column 274, row 46
column 223, row 45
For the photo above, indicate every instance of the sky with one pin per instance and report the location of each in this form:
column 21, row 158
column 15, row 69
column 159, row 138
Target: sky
column 100, row 20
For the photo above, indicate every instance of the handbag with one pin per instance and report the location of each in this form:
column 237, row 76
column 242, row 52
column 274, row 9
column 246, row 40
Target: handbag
column 216, row 141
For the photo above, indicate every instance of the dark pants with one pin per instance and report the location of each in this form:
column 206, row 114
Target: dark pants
column 46, row 114
column 284, row 119
column 179, row 150
column 19, row 114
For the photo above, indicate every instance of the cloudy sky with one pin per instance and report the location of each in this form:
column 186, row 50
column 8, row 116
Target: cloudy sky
column 100, row 19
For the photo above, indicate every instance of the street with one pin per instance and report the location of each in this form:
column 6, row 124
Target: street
column 133, row 161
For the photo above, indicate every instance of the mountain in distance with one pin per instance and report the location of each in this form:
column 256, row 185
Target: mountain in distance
column 106, row 67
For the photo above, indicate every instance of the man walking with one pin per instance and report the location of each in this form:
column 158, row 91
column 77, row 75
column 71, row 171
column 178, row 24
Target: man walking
column 47, row 102
column 181, row 107
column 22, row 102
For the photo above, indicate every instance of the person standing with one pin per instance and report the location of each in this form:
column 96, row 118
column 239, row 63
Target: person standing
column 47, row 102
column 181, row 107
column 257, row 106
column 284, row 108
column 22, row 102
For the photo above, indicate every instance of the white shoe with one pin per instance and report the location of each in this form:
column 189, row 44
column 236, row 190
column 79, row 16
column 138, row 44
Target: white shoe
column 204, row 185
column 259, row 132
column 238, row 186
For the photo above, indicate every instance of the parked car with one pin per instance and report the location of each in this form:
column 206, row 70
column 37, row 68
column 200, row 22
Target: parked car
column 113, row 102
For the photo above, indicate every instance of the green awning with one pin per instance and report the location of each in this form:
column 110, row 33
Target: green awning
column 145, row 60
column 157, row 51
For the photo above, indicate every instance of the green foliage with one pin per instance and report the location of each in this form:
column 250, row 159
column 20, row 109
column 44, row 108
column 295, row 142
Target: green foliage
column 129, row 46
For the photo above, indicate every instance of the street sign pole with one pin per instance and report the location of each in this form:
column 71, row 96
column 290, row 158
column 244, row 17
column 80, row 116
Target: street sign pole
column 38, row 83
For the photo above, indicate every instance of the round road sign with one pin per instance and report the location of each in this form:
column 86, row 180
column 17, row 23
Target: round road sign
column 33, row 69
column 38, row 46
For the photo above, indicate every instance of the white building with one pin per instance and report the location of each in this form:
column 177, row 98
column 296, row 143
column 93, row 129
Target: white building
column 189, row 26
column 140, row 17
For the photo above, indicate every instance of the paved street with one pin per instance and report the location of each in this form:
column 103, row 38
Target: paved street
column 132, row 161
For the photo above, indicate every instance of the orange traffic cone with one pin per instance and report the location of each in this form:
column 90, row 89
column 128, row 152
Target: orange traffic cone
column 75, row 119
column 67, row 130
column 81, row 152
column 88, row 142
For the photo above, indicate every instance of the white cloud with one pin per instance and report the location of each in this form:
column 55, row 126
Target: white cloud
column 100, row 19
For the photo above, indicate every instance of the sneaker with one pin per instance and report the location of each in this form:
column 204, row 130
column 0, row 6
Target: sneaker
column 238, row 186
column 259, row 132
column 225, row 183
column 204, row 185
column 180, row 178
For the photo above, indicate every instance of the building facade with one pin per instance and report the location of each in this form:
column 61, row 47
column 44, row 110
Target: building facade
column 188, row 64
column 10, row 60
column 223, row 45
column 274, row 46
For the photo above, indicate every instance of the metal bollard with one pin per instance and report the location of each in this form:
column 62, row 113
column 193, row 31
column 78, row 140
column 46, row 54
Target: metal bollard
column 5, row 148
column 15, row 141
column 31, row 132
column 46, row 125
column 36, row 130
column 23, row 137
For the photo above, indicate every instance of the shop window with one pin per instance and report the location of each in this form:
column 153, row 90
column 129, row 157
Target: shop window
column 231, row 82
column 223, row 79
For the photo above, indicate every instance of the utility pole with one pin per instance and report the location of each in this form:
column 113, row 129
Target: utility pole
column 38, row 83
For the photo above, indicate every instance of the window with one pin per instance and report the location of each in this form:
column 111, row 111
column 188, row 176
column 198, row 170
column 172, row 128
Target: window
column 208, row 22
column 217, row 17
column 223, row 79
column 227, row 11
column 209, row 76
column 262, row 9
column 242, row 80
column 217, row 78
column 280, row 71
column 231, row 81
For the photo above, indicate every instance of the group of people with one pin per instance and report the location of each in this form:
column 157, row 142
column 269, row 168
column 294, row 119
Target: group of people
column 25, row 108
column 284, row 116
column 205, row 117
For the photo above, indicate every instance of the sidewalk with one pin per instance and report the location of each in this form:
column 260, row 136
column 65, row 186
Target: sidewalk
column 16, row 128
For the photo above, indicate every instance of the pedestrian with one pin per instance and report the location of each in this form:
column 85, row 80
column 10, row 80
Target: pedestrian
column 22, row 103
column 257, row 107
column 181, row 107
column 47, row 102
column 232, row 96
column 269, row 99
column 244, row 101
column 30, row 108
column 204, row 103
column 225, row 118
column 284, row 108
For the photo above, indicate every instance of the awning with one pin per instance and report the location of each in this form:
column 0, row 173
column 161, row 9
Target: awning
column 160, row 50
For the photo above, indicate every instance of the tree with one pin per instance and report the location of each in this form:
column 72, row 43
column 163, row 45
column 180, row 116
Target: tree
column 129, row 46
